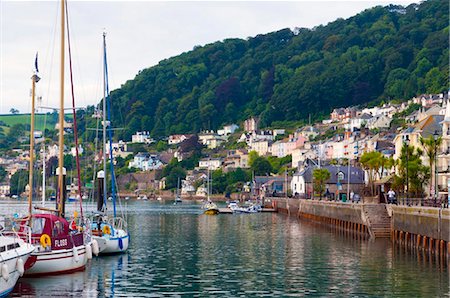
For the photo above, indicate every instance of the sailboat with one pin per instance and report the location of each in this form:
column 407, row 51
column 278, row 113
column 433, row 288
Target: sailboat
column 110, row 233
column 209, row 206
column 60, row 247
column 178, row 195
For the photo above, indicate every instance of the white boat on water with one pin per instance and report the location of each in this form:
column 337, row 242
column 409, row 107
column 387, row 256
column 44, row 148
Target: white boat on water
column 14, row 253
column 109, row 231
column 252, row 208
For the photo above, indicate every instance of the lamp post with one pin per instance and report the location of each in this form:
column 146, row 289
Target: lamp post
column 407, row 178
column 436, row 137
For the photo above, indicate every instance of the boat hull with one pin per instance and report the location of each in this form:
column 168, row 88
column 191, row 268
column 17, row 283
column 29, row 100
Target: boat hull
column 6, row 286
column 211, row 212
column 113, row 244
column 58, row 261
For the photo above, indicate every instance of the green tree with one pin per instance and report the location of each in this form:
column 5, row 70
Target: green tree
column 320, row 177
column 372, row 162
column 161, row 146
column 261, row 166
column 3, row 174
column 418, row 174
column 430, row 147
column 18, row 182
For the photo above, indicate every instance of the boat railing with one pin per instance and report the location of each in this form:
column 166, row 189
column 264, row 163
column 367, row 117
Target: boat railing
column 118, row 223
column 12, row 228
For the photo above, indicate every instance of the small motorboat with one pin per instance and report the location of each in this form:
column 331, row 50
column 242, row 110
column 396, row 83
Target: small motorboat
column 14, row 253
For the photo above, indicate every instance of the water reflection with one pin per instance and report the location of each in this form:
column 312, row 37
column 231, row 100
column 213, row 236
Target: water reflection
column 177, row 251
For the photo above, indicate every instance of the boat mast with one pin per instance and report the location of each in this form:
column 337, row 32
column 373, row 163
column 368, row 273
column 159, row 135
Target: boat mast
column 109, row 107
column 34, row 80
column 43, row 173
column 60, row 199
column 104, row 125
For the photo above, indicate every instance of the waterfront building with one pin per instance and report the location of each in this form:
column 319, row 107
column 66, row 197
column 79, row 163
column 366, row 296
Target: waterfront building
column 302, row 182
column 443, row 156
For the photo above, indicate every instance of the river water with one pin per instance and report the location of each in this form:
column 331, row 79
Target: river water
column 177, row 251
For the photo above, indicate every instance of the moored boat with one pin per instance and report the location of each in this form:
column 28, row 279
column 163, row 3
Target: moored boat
column 14, row 253
column 60, row 247
column 109, row 232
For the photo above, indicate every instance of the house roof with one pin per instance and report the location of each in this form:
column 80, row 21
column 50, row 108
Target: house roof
column 429, row 125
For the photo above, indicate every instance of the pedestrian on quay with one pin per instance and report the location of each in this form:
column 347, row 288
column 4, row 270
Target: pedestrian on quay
column 391, row 197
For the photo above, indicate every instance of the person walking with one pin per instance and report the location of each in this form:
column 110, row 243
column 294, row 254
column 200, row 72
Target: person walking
column 391, row 196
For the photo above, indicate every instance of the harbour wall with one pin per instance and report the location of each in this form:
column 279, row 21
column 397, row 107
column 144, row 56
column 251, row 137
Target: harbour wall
column 344, row 215
column 425, row 228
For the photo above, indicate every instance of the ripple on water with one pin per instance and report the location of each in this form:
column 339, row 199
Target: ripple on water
column 177, row 252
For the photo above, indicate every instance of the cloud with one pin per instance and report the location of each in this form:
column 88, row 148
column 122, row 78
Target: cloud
column 140, row 34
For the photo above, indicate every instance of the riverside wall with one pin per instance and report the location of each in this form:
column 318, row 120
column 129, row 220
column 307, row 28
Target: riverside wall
column 343, row 215
column 416, row 228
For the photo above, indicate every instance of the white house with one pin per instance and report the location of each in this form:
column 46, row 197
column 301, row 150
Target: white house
column 300, row 155
column 380, row 122
column 261, row 147
column 210, row 163
column 177, row 139
column 227, row 129
column 142, row 137
column 73, row 150
column 146, row 162
column 119, row 149
column 211, row 139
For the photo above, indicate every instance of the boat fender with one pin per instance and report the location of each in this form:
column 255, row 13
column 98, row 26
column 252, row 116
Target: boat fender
column 106, row 230
column 5, row 272
column 45, row 241
column 95, row 248
column 20, row 266
column 120, row 244
column 75, row 254
column 88, row 251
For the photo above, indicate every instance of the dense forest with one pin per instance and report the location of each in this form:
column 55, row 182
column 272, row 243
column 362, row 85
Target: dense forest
column 383, row 53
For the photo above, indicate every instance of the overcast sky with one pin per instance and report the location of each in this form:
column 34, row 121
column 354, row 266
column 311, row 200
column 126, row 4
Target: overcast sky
column 139, row 35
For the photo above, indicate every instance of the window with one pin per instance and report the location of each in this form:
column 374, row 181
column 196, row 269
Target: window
column 2, row 248
column 37, row 225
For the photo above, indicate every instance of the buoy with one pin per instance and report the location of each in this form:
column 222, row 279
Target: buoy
column 75, row 254
column 5, row 272
column 88, row 251
column 45, row 241
column 106, row 230
column 20, row 266
column 95, row 249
